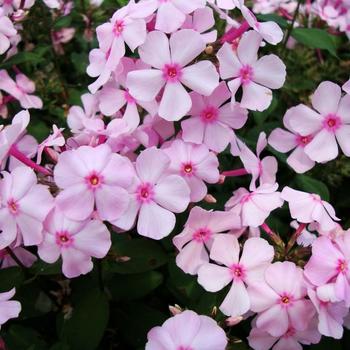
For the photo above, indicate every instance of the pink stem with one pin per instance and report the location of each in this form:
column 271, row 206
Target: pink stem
column 236, row 172
column 267, row 228
column 299, row 230
column 273, row 235
column 15, row 152
column 234, row 33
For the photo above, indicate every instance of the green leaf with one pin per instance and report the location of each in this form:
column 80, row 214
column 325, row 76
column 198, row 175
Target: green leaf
column 143, row 255
column 62, row 22
column 88, row 321
column 315, row 38
column 22, row 57
column 24, row 338
column 130, row 287
column 11, row 277
column 42, row 268
column 309, row 184
column 282, row 22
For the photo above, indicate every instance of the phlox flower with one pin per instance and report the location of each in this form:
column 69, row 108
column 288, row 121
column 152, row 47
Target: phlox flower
column 23, row 255
column 346, row 87
column 8, row 308
column 309, row 207
column 187, row 331
column 212, row 120
column 155, row 196
column 257, row 254
column 7, row 30
column 114, row 96
column 56, row 139
column 285, row 141
column 202, row 20
column 93, row 177
column 255, row 207
column 195, row 164
column 328, row 268
column 21, row 89
column 169, row 57
column 125, row 27
column 24, row 206
column 330, row 315
column 292, row 339
column 280, row 300
column 329, row 123
column 171, row 14
column 224, row 4
column 263, row 169
column 75, row 241
column 256, row 76
column 197, row 237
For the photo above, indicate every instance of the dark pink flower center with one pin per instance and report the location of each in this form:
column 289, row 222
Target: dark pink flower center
column 94, row 181
column 172, row 73
column 302, row 141
column 13, row 206
column 145, row 193
column 202, row 235
column 290, row 333
column 188, row 169
column 209, row 114
column 246, row 74
column 342, row 266
column 118, row 27
column 181, row 347
column 238, row 272
column 64, row 239
column 332, row 122
column 286, row 300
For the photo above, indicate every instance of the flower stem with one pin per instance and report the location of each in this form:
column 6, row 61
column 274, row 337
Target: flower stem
column 235, row 172
column 15, row 152
column 273, row 235
column 294, row 237
column 291, row 26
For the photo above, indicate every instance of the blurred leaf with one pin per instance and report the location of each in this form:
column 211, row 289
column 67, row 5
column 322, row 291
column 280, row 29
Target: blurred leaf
column 62, row 22
column 315, row 38
column 135, row 320
column 282, row 22
column 309, row 184
column 87, row 324
column 60, row 346
column 11, row 277
column 42, row 268
column 129, row 287
column 143, row 254
column 39, row 130
column 22, row 57
column 23, row 338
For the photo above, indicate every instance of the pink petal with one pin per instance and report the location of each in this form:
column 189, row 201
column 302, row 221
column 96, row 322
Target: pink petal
column 323, row 147
column 301, row 313
column 75, row 263
column 154, row 221
column 248, row 47
column 220, row 95
column 343, row 138
column 261, row 296
column 299, row 161
column 236, row 302
column 217, row 136
column 256, row 97
column 229, row 63
column 193, row 130
column 282, row 140
column 201, row 77
column 233, row 115
column 225, row 249
column 213, row 277
column 274, row 320
column 48, row 250
column 135, row 33
column 326, row 98
column 344, row 108
column 169, row 18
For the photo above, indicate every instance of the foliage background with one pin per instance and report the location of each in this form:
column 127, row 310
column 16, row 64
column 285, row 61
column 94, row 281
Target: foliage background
column 121, row 299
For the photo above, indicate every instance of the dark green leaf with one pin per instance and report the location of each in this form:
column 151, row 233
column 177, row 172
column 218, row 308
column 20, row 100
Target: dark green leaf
column 11, row 277
column 309, row 184
column 282, row 22
column 23, row 338
column 315, row 38
column 22, row 57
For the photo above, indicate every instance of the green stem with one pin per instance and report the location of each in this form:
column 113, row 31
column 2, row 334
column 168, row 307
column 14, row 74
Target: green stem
column 291, row 26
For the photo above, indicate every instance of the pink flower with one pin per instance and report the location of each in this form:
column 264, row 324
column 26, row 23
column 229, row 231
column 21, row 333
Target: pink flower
column 255, row 207
column 169, row 59
column 23, row 255
column 309, row 207
column 22, row 89
column 291, row 340
column 7, row 30
column 200, row 229
column 124, row 27
column 224, row 4
column 328, row 268
column 112, row 98
column 75, row 241
column 212, row 121
column 12, row 133
column 263, row 169
column 187, row 331
column 155, row 196
column 280, row 300
column 8, row 308
column 255, row 76
column 329, row 125
column 56, row 139
column 171, row 14
column 23, row 207
column 330, row 316
column 195, row 164
column 202, row 21
column 256, row 256
column 346, row 87
column 92, row 177
column 285, row 141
